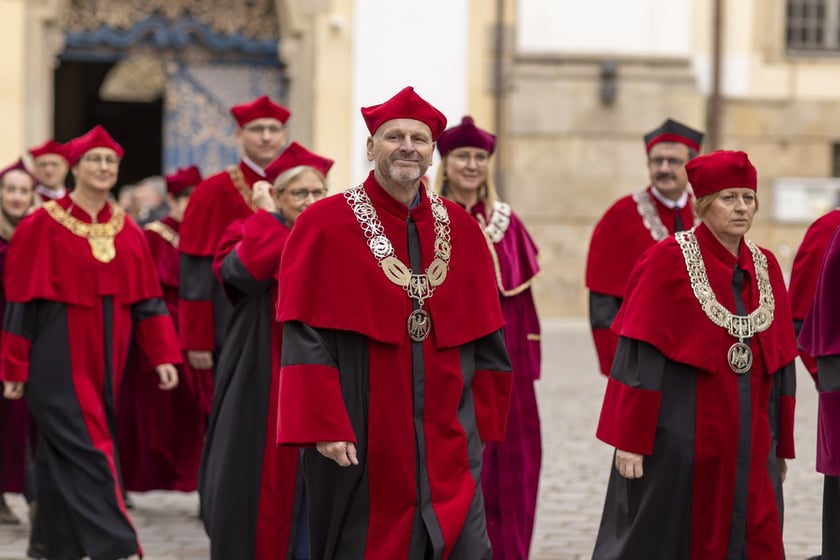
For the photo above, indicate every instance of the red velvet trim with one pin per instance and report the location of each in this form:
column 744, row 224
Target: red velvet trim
column 214, row 205
column 327, row 240
column 165, row 256
column 785, row 447
column 671, row 137
column 15, row 352
column 806, row 264
column 157, row 339
column 491, row 394
column 259, row 250
column 196, row 325
column 311, row 407
column 606, row 342
column 628, row 417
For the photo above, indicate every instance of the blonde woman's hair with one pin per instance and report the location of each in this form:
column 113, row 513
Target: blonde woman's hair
column 7, row 224
column 287, row 177
column 487, row 192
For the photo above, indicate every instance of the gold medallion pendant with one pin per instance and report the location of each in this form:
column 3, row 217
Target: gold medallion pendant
column 419, row 325
column 100, row 237
column 740, row 358
column 102, row 248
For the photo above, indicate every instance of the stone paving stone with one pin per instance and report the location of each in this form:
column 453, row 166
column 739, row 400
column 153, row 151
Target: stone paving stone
column 575, row 470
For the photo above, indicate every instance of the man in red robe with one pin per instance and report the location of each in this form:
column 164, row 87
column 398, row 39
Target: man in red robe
column 217, row 202
column 161, row 435
column 634, row 223
column 72, row 306
column 394, row 367
column 50, row 169
column 804, row 274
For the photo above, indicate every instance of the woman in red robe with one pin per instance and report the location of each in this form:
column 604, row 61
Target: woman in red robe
column 699, row 402
column 510, row 473
column 17, row 198
column 79, row 280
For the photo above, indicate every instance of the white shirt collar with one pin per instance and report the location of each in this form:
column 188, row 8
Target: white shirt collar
column 49, row 193
column 680, row 203
column 256, row 168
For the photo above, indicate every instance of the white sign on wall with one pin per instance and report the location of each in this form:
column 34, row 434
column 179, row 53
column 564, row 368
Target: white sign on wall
column 804, row 199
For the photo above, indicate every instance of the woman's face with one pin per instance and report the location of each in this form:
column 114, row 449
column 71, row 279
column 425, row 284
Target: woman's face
column 730, row 214
column 466, row 168
column 16, row 194
column 97, row 170
column 305, row 189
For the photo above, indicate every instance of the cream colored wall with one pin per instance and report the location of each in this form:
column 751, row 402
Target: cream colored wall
column 13, row 78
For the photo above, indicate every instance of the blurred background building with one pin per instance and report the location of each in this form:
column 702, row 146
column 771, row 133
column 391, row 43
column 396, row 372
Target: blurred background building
column 570, row 87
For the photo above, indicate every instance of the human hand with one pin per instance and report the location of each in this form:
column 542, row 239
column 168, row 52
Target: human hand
column 200, row 359
column 261, row 196
column 629, row 465
column 13, row 390
column 342, row 452
column 168, row 376
column 782, row 467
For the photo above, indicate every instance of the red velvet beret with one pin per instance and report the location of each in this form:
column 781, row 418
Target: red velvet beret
column 466, row 134
column 96, row 137
column 724, row 169
column 260, row 108
column 16, row 166
column 183, row 178
column 293, row 156
column 405, row 105
column 673, row 131
column 49, row 147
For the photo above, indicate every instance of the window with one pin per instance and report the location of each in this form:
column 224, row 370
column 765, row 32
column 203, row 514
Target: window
column 835, row 160
column 813, row 26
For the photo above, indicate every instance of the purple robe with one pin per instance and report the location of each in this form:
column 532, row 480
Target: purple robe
column 511, row 470
column 14, row 419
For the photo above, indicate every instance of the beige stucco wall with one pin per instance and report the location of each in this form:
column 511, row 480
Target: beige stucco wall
column 12, row 76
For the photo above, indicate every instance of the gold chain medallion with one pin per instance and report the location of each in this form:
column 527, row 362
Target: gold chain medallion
column 100, row 237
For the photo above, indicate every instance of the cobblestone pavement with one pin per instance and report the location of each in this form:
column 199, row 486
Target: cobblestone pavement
column 575, row 470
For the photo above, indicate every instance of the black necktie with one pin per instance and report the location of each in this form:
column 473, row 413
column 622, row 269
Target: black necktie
column 678, row 225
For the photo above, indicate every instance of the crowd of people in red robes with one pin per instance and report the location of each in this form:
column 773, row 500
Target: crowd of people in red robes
column 220, row 347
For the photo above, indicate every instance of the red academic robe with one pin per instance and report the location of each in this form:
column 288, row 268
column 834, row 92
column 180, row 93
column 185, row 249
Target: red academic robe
column 69, row 321
column 216, row 202
column 619, row 239
column 161, row 433
column 510, row 473
column 417, row 411
column 250, row 495
column 711, row 486
column 806, row 270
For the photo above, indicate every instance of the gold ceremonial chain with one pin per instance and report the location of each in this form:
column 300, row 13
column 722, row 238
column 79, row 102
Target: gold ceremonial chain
column 418, row 286
column 167, row 233
column 241, row 185
column 499, row 221
column 740, row 326
column 99, row 236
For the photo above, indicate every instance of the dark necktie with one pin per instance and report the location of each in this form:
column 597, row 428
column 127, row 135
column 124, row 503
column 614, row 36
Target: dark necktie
column 678, row 225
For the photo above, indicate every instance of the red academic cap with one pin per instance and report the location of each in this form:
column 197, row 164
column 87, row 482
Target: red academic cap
column 673, row 131
column 723, row 169
column 260, row 108
column 96, row 137
column 293, row 156
column 16, row 166
column 405, row 105
column 183, row 178
column 49, row 147
column 466, row 134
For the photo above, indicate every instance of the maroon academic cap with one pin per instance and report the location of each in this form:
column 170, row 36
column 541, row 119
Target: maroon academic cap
column 49, row 147
column 16, row 166
column 466, row 134
column 183, row 178
column 96, row 137
column 405, row 105
column 260, row 108
column 673, row 131
column 293, row 156
column 723, row 169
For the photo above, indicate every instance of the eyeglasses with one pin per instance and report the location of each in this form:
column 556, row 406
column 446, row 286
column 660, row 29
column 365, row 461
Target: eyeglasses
column 672, row 161
column 263, row 128
column 96, row 159
column 303, row 194
column 464, row 158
